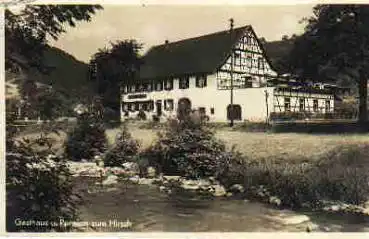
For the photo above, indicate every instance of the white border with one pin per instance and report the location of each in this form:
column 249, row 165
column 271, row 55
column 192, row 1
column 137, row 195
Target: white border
column 273, row 235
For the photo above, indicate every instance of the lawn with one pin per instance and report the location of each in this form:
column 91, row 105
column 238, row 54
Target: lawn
column 296, row 146
column 267, row 145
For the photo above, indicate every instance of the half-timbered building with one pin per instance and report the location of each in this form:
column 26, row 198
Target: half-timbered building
column 196, row 72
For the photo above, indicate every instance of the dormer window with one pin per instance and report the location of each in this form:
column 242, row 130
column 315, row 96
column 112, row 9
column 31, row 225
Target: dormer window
column 133, row 88
column 201, row 81
column 184, row 83
column 169, row 84
column 149, row 86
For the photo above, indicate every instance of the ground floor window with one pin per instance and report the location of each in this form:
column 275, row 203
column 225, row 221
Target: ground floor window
column 234, row 111
column 327, row 106
column 302, row 104
column 212, row 111
column 169, row 104
column 315, row 105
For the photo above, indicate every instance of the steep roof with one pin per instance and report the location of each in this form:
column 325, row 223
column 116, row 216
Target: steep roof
column 202, row 54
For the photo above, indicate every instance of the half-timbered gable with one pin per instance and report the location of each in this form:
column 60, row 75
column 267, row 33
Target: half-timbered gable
column 251, row 67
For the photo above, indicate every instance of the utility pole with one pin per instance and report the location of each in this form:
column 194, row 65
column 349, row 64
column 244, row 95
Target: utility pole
column 231, row 35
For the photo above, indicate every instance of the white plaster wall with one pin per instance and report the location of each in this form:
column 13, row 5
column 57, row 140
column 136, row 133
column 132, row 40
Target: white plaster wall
column 251, row 100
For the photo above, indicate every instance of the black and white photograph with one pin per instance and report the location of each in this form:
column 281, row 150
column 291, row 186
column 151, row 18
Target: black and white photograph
column 185, row 117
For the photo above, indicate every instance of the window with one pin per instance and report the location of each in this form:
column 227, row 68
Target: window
column 184, row 83
column 131, row 106
column 260, row 63
column 125, row 106
column 125, row 89
column 169, row 105
column 169, row 84
column 287, row 104
column 247, row 82
column 133, row 88
column 136, row 105
column 315, row 105
column 201, row 81
column 150, row 106
column 212, row 111
column 202, row 110
column 158, row 85
column 302, row 104
column 145, row 106
column 327, row 106
column 149, row 86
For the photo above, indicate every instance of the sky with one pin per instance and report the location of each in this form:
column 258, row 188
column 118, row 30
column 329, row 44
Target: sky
column 153, row 24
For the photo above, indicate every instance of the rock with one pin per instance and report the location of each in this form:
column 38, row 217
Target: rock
column 229, row 194
column 219, row 191
column 131, row 166
column 151, row 172
column 294, row 220
column 275, row 200
column 237, row 188
column 111, row 179
column 162, row 189
column 146, row 181
column 172, row 178
column 134, row 179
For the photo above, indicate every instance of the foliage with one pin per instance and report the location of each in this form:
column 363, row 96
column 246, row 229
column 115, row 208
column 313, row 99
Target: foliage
column 339, row 175
column 110, row 65
column 87, row 139
column 124, row 149
column 38, row 185
column 26, row 33
column 189, row 149
column 335, row 47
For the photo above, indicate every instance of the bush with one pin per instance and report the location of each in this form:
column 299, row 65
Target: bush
column 340, row 175
column 38, row 186
column 87, row 139
column 124, row 149
column 343, row 174
column 189, row 149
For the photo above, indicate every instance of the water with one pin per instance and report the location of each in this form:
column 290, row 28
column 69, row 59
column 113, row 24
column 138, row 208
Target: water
column 151, row 210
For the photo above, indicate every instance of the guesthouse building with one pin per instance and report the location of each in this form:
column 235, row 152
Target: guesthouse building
column 196, row 73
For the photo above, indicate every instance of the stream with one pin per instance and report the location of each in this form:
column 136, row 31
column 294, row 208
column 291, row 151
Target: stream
column 150, row 210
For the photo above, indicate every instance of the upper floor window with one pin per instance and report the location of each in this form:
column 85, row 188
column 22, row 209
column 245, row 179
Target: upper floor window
column 201, row 81
column 287, row 104
column 261, row 63
column 184, row 83
column 148, row 86
column 247, row 82
column 125, row 89
column 169, row 84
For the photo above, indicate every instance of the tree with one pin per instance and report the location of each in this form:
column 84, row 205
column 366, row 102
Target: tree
column 112, row 67
column 335, row 47
column 26, row 33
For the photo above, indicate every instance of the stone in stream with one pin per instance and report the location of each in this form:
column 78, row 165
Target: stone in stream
column 237, row 188
column 151, row 172
column 132, row 167
column 110, row 180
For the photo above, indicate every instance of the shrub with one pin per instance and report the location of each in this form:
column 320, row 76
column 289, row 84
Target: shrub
column 125, row 147
column 189, row 149
column 343, row 174
column 38, row 186
column 86, row 139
